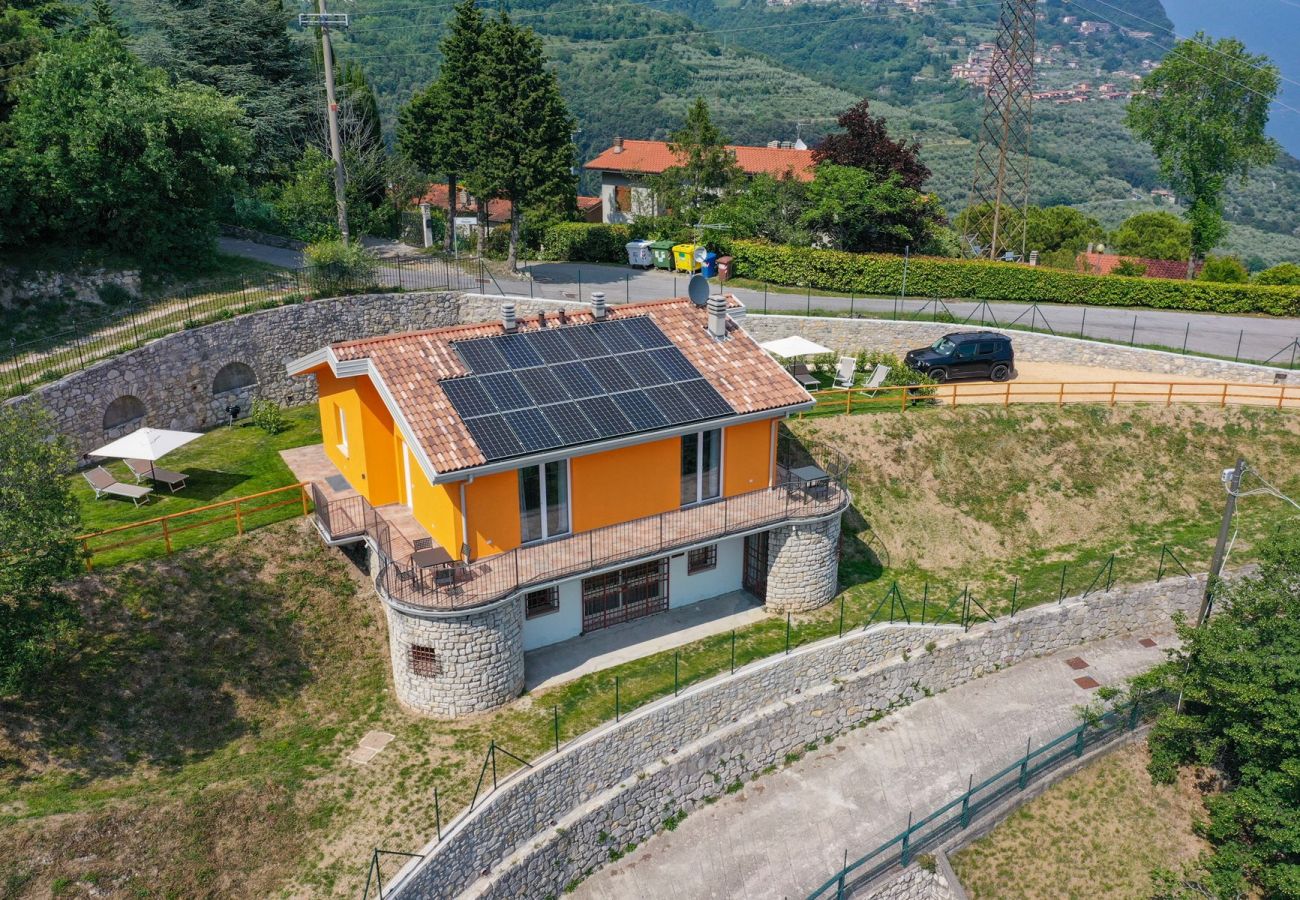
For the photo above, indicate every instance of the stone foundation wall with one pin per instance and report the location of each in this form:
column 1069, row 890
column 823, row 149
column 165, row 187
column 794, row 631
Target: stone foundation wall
column 853, row 335
column 913, row 883
column 453, row 665
column 543, row 828
column 803, row 565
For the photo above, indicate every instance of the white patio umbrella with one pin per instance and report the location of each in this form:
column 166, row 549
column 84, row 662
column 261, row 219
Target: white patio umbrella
column 146, row 443
column 794, row 346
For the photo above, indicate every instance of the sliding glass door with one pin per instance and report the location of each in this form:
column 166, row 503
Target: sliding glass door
column 544, row 501
column 701, row 466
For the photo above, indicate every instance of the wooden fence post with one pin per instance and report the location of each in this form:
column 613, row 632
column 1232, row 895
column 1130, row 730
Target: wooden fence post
column 1114, row 385
column 167, row 538
column 239, row 521
column 1223, row 401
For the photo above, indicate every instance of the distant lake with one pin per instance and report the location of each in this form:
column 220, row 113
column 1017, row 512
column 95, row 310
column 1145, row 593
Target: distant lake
column 1264, row 26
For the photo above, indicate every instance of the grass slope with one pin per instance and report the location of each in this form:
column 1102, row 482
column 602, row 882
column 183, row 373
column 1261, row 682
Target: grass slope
column 1098, row 833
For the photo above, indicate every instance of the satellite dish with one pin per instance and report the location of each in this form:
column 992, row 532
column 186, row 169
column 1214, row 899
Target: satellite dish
column 698, row 289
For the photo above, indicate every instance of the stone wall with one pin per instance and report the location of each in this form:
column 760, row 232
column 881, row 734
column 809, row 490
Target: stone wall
column 852, row 335
column 913, row 883
column 551, row 824
column 803, row 565
column 449, row 666
column 19, row 289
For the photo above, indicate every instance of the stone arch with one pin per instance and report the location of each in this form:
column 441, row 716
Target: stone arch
column 124, row 414
column 233, row 377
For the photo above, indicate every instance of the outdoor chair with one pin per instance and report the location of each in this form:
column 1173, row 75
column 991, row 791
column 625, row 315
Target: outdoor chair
column 105, row 485
column 803, row 376
column 142, row 469
column 845, row 372
column 878, row 376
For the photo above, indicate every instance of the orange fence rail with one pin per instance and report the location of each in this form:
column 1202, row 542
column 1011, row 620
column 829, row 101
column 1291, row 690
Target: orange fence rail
column 900, row 397
column 164, row 528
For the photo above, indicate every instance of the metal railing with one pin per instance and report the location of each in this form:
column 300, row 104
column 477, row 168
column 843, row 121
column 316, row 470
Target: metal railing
column 482, row 581
column 23, row 365
column 955, row 816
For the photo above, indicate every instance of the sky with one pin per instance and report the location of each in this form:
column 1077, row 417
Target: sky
column 1264, row 26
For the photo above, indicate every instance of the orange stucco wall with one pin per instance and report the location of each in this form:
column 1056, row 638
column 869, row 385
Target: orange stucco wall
column 435, row 506
column 493, row 502
column 747, row 457
column 370, row 464
column 628, row 483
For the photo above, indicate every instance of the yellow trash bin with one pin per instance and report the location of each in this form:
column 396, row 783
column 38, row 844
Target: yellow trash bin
column 684, row 258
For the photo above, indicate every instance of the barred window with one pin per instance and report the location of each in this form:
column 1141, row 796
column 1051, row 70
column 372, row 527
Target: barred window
column 541, row 602
column 424, row 662
column 702, row 559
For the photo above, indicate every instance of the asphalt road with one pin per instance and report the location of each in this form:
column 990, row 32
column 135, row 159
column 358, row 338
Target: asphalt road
column 1254, row 338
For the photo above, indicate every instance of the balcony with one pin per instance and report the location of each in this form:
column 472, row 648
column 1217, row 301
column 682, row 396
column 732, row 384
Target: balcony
column 483, row 581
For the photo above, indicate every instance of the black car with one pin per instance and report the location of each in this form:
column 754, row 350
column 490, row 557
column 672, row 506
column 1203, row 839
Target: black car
column 966, row 354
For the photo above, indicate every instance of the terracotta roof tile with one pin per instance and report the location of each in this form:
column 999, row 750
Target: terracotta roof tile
column 653, row 157
column 411, row 364
column 1105, row 263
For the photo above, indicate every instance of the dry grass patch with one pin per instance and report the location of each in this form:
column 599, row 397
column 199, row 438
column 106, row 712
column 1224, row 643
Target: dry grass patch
column 1098, row 833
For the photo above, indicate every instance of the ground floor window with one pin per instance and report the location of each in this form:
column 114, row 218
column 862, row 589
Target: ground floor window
column 702, row 559
column 630, row 593
column 541, row 602
column 424, row 661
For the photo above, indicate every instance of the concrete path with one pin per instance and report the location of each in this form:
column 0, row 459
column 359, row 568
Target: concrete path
column 785, row 834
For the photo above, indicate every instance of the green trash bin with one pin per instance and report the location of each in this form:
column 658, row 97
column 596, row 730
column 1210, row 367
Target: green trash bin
column 662, row 252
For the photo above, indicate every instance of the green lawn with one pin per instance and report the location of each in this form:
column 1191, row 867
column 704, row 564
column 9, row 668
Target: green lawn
column 228, row 462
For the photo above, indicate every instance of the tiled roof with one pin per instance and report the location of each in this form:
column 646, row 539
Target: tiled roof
column 411, row 365
column 653, row 157
column 436, row 195
column 1105, row 263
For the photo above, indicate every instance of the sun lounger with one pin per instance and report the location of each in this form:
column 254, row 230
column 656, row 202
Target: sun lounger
column 142, row 469
column 878, row 376
column 106, row 485
column 804, row 377
column 845, row 372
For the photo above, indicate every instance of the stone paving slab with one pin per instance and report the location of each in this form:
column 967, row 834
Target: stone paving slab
column 786, row 833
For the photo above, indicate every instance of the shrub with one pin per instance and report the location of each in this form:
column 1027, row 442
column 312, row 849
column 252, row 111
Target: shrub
column 868, row 273
column 1225, row 270
column 497, row 245
column 337, row 268
column 586, row 242
column 268, row 416
column 1129, row 268
column 1283, row 274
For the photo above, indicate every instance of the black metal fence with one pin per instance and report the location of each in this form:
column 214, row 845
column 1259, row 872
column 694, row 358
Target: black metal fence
column 26, row 364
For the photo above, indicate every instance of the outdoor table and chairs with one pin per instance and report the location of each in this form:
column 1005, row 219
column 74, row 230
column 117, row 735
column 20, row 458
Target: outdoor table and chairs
column 815, row 481
column 427, row 556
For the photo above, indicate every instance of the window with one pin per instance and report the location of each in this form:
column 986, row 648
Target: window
column 629, row 593
column 343, row 431
column 988, row 349
column 544, row 501
column 424, row 662
column 702, row 559
column 701, row 466
column 623, row 198
column 966, row 351
column 539, row 603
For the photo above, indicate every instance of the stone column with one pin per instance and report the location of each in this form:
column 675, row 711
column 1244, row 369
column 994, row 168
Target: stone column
column 803, row 565
column 450, row 665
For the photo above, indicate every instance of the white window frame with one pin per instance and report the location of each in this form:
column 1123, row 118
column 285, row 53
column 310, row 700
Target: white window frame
column 699, row 465
column 343, row 429
column 568, row 504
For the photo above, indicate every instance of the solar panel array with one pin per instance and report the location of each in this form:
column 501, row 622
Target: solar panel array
column 570, row 385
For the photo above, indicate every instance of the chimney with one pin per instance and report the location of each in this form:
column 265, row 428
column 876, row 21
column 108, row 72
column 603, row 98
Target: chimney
column 1091, row 247
column 598, row 305
column 618, row 145
column 718, row 316
column 508, row 317
column 1033, row 257
column 774, row 145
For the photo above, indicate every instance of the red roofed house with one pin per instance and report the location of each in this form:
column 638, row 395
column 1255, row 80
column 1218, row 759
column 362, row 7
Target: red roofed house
column 498, row 210
column 626, row 166
column 1105, row 263
column 526, row 481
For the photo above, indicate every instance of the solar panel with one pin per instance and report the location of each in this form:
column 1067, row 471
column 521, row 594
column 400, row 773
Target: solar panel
column 481, row 356
column 578, row 380
column 552, row 347
column 707, row 400
column 646, row 332
column 643, row 372
column 583, row 341
column 518, row 350
column 639, row 410
column 505, row 391
column 616, row 337
column 676, row 366
column 532, row 430
column 542, row 386
column 610, row 373
column 608, row 419
column 494, row 437
column 569, row 423
column 468, row 396
column 673, row 404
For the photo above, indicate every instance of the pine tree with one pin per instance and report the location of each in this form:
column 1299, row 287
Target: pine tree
column 526, row 141
column 435, row 130
column 706, row 168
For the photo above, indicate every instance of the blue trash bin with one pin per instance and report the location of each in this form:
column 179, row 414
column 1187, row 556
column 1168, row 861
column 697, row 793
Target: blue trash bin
column 710, row 268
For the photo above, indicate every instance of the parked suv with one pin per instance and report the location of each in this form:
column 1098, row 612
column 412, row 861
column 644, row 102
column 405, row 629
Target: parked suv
column 965, row 354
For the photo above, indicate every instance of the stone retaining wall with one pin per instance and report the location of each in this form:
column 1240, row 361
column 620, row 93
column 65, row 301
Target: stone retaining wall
column 552, row 824
column 853, row 335
column 803, row 565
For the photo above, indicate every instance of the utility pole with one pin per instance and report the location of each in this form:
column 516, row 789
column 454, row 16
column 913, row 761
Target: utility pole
column 1232, row 478
column 323, row 19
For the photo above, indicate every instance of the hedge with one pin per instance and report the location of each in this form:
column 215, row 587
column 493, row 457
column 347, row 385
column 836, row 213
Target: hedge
column 588, row 242
column 863, row 273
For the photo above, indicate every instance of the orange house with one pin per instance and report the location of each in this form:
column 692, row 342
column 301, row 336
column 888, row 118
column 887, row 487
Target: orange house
column 583, row 468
